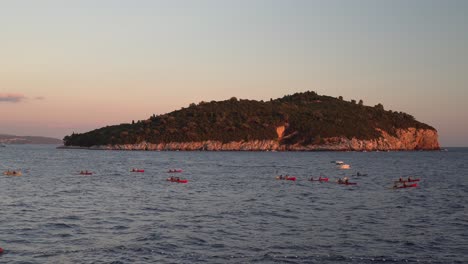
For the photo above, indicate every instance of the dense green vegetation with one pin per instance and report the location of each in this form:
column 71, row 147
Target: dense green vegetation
column 309, row 119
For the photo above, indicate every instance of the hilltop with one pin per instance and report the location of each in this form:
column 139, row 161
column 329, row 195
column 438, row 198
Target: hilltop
column 302, row 121
column 12, row 139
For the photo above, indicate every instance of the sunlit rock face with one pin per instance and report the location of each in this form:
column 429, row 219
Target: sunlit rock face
column 405, row 139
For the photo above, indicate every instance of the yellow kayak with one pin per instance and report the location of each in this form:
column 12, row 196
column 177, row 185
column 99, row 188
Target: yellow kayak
column 11, row 173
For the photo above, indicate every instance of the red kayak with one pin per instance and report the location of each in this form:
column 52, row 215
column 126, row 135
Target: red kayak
column 86, row 173
column 407, row 186
column 288, row 178
column 320, row 180
column 137, row 171
column 177, row 180
column 175, row 171
column 410, row 180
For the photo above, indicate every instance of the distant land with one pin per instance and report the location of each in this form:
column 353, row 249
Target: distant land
column 299, row 122
column 11, row 139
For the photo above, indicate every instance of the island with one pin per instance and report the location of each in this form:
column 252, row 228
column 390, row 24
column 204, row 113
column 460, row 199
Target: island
column 298, row 122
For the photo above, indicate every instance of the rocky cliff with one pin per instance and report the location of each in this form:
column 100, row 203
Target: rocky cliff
column 406, row 139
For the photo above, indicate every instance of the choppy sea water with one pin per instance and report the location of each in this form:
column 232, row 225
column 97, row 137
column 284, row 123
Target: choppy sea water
column 232, row 210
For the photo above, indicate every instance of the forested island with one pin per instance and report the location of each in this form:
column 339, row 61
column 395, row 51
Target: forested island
column 302, row 121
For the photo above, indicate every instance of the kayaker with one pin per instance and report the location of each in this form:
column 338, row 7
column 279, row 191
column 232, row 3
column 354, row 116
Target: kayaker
column 345, row 180
column 340, row 180
column 409, row 178
column 401, row 179
column 404, row 184
column 358, row 173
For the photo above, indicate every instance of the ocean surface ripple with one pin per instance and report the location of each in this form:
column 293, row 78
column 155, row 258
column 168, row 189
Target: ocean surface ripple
column 232, row 210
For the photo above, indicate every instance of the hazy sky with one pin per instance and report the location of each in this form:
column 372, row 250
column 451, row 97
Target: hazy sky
column 78, row 65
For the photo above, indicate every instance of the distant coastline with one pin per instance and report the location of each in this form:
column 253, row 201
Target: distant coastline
column 15, row 140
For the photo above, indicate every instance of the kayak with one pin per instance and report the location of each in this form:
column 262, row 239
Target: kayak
column 10, row 173
column 411, row 180
column 175, row 180
column 407, row 186
column 174, row 171
column 359, row 174
column 137, row 171
column 319, row 180
column 86, row 173
column 288, row 178
column 349, row 183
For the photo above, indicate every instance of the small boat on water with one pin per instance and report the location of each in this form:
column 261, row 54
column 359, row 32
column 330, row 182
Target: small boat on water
column 174, row 171
column 12, row 173
column 406, row 186
column 287, row 178
column 408, row 180
column 345, row 181
column 344, row 166
column 320, row 179
column 360, row 174
column 177, row 179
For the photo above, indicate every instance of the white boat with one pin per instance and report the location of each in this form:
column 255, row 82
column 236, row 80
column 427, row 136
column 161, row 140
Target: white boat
column 345, row 166
column 339, row 162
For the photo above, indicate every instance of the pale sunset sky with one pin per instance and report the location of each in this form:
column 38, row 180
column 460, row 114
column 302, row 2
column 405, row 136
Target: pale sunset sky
column 73, row 66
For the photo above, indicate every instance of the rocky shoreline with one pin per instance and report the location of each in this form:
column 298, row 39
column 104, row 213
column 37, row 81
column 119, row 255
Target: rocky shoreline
column 405, row 140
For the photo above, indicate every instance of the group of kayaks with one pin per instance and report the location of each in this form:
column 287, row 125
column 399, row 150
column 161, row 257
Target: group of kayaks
column 319, row 179
column 135, row 170
column 401, row 183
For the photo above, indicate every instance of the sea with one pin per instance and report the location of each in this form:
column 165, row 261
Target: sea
column 233, row 209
